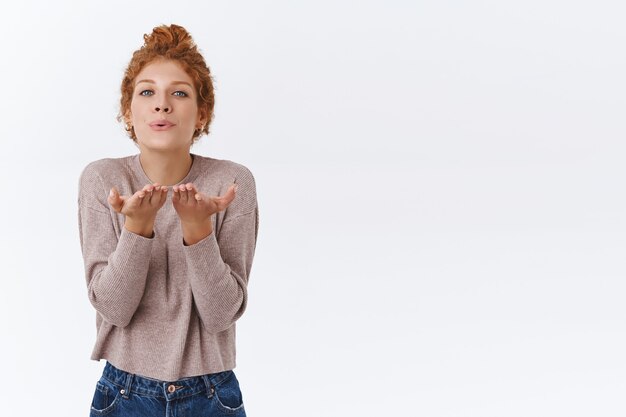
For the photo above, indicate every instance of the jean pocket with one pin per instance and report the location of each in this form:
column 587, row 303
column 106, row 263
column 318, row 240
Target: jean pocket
column 229, row 397
column 105, row 398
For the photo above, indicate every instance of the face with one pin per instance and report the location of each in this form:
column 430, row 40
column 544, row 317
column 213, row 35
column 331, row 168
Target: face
column 164, row 91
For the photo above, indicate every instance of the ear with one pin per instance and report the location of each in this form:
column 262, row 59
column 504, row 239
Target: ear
column 127, row 117
column 202, row 117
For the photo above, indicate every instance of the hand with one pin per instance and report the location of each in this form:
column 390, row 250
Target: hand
column 141, row 206
column 194, row 207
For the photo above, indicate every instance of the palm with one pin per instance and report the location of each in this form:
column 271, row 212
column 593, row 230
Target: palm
column 195, row 207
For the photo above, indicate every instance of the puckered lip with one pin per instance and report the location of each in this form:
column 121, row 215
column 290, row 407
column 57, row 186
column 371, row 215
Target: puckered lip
column 161, row 122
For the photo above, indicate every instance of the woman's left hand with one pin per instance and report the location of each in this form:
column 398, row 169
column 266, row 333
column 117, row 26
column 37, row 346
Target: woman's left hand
column 196, row 208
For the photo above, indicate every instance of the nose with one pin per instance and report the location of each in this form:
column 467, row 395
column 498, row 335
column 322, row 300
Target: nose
column 165, row 109
column 163, row 104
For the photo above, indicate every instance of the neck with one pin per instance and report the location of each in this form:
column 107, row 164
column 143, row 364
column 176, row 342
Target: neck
column 166, row 168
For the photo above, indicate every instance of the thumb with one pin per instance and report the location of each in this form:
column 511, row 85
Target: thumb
column 114, row 199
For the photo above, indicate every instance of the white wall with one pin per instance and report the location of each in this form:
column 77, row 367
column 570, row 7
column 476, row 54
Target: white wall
column 440, row 188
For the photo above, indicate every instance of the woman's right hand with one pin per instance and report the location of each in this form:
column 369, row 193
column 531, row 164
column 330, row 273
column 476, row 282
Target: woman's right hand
column 140, row 208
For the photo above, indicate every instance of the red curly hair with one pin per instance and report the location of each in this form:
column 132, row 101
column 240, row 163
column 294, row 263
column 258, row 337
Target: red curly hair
column 173, row 43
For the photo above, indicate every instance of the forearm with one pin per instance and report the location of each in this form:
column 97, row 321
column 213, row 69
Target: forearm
column 219, row 293
column 219, row 274
column 116, row 282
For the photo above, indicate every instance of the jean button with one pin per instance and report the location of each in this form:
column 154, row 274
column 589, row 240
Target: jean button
column 171, row 388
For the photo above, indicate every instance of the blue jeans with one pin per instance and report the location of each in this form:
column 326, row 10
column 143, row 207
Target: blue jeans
column 122, row 394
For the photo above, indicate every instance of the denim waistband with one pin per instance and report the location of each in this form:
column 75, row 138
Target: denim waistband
column 169, row 390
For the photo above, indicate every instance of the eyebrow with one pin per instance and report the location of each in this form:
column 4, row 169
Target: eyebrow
column 173, row 82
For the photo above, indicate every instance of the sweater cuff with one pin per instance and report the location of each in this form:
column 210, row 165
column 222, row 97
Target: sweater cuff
column 204, row 248
column 133, row 246
column 205, row 261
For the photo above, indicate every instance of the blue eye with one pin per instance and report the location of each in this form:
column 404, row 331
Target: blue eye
column 184, row 94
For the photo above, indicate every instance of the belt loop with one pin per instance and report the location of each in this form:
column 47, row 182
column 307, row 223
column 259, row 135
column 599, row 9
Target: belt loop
column 126, row 390
column 209, row 386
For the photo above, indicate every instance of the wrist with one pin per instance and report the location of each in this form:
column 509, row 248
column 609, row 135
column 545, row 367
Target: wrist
column 194, row 232
column 145, row 229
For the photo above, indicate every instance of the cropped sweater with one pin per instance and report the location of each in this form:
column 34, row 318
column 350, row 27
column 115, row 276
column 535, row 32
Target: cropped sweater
column 165, row 310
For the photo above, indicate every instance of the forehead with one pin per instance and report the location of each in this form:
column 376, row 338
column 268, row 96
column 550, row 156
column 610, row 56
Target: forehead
column 163, row 72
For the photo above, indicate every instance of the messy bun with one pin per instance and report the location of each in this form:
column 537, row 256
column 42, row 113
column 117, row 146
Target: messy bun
column 171, row 42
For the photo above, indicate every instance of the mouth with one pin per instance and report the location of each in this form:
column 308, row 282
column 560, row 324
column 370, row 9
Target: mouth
column 161, row 125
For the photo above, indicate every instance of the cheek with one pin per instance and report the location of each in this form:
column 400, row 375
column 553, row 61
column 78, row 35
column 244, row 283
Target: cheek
column 137, row 111
column 194, row 112
column 190, row 113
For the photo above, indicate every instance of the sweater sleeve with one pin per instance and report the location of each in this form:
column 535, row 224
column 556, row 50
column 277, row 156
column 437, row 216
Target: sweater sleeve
column 219, row 266
column 116, row 269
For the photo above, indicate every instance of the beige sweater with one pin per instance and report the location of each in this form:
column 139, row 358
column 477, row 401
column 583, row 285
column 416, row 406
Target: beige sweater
column 165, row 310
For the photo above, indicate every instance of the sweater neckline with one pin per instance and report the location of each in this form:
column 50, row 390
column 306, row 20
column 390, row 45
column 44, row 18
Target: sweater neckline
column 190, row 174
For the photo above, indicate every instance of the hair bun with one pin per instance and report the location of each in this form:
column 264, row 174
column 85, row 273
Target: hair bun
column 172, row 39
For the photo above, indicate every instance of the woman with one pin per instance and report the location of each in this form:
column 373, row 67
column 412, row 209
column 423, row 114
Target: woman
column 167, row 272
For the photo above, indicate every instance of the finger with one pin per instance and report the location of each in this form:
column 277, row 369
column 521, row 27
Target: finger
column 192, row 193
column 198, row 196
column 182, row 189
column 163, row 195
column 142, row 194
column 158, row 192
column 176, row 195
column 160, row 196
column 146, row 193
column 119, row 201
column 189, row 192
column 155, row 195
column 224, row 201
column 114, row 199
column 151, row 189
column 228, row 198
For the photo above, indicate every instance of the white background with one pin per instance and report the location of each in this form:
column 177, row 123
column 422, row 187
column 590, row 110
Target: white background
column 440, row 188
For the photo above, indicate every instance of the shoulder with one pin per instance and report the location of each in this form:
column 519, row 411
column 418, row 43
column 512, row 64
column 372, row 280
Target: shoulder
column 104, row 167
column 227, row 169
column 92, row 190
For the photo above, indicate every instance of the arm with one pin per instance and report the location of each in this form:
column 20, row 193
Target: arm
column 219, row 266
column 115, row 269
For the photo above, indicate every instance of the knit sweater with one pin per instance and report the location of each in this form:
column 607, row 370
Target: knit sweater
column 165, row 310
